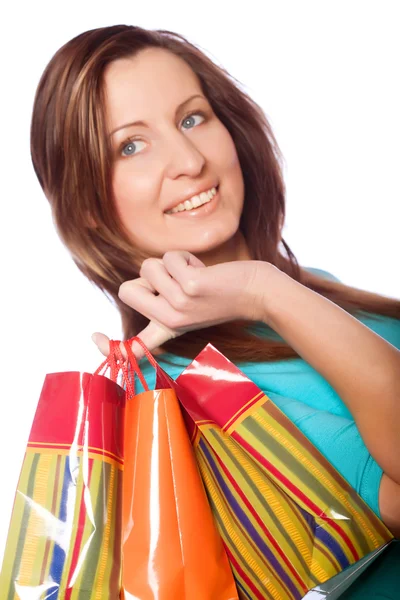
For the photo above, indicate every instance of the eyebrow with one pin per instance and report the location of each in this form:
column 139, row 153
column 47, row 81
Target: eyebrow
column 144, row 124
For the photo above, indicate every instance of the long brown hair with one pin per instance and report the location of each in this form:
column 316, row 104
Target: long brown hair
column 72, row 158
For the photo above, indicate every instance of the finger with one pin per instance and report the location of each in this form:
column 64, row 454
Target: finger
column 143, row 300
column 157, row 275
column 184, row 268
column 103, row 344
column 138, row 294
column 128, row 289
column 142, row 282
column 153, row 336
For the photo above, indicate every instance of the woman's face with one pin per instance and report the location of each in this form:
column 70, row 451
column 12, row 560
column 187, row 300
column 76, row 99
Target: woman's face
column 169, row 147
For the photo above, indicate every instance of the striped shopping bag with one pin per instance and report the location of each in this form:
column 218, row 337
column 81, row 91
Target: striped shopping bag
column 288, row 519
column 64, row 536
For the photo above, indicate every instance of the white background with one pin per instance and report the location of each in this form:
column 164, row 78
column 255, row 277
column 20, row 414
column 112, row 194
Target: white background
column 326, row 73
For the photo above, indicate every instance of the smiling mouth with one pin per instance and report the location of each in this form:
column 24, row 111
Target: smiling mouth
column 194, row 202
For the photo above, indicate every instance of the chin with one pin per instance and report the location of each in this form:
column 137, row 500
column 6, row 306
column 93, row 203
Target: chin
column 210, row 243
column 199, row 241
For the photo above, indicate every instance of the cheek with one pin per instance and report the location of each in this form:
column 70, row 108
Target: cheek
column 228, row 167
column 224, row 155
column 134, row 192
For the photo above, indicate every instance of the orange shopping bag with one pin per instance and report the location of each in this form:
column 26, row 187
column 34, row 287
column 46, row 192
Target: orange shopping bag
column 171, row 548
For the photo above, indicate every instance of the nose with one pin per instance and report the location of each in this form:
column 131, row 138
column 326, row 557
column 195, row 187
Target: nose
column 183, row 158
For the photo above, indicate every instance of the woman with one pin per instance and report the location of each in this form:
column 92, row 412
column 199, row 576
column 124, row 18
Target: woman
column 165, row 184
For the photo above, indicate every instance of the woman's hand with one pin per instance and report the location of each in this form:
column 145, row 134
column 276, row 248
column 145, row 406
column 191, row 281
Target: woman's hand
column 178, row 293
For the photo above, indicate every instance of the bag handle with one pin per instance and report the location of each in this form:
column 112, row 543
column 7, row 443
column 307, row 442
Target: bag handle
column 128, row 348
column 116, row 362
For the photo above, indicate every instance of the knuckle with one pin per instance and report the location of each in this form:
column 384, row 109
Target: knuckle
column 180, row 302
column 191, row 286
column 169, row 254
column 128, row 290
column 146, row 264
column 123, row 289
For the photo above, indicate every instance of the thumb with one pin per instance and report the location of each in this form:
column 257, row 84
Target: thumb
column 102, row 342
column 152, row 336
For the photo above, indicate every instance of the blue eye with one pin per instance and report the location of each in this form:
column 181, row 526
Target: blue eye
column 131, row 147
column 190, row 121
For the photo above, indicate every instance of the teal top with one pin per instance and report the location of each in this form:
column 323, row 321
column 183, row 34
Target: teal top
column 311, row 404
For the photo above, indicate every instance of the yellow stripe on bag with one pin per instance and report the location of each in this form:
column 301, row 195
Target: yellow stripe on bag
column 320, row 474
column 15, row 525
column 66, row 452
column 44, row 542
column 320, row 566
column 240, row 544
column 273, row 498
column 312, row 495
column 114, row 530
column 316, row 562
column 238, row 540
column 35, row 523
column 91, row 493
column 104, row 554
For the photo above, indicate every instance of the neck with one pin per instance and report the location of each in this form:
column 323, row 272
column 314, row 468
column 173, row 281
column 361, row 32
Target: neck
column 234, row 249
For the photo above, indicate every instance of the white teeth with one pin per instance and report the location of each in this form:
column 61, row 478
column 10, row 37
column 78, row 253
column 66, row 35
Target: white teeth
column 194, row 202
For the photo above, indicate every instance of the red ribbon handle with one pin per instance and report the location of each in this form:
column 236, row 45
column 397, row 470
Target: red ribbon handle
column 116, row 362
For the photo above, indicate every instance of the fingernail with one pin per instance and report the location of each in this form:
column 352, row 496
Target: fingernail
column 95, row 338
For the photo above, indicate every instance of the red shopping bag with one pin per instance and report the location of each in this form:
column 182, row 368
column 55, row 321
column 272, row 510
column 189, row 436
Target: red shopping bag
column 65, row 531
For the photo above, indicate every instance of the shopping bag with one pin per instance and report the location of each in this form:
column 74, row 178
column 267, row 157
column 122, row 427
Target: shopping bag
column 171, row 548
column 288, row 519
column 64, row 539
column 377, row 575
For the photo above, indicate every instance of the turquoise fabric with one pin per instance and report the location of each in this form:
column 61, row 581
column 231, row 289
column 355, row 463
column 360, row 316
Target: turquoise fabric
column 312, row 405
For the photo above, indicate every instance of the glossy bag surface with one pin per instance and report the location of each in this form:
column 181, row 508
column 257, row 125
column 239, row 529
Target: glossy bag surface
column 288, row 519
column 171, row 546
column 64, row 540
column 82, row 528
